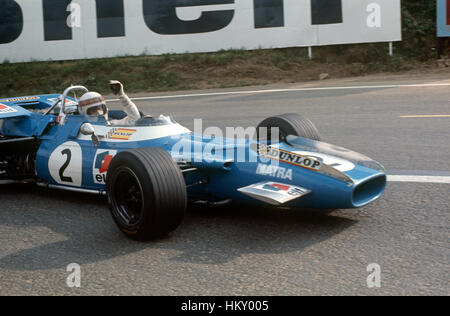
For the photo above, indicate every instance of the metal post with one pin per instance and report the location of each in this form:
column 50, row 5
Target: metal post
column 438, row 47
column 310, row 55
column 391, row 49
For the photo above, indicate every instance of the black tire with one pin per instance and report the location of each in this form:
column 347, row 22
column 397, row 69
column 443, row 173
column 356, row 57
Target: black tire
column 146, row 193
column 290, row 124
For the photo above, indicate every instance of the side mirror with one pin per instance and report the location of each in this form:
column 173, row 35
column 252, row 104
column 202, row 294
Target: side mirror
column 88, row 129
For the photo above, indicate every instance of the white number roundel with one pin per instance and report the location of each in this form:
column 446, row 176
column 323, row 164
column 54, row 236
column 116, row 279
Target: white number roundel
column 65, row 164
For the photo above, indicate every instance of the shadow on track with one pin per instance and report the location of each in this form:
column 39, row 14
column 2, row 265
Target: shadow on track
column 84, row 231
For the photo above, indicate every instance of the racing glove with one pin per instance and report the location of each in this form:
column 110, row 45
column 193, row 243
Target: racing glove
column 116, row 87
column 129, row 107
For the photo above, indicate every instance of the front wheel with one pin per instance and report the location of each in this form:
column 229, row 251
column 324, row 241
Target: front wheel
column 289, row 124
column 146, row 193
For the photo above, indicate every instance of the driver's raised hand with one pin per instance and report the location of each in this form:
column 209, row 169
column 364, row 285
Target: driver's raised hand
column 116, row 87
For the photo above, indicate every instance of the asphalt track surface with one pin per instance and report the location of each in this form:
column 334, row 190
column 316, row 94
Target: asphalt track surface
column 237, row 251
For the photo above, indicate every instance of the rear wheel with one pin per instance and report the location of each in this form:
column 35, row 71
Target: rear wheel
column 289, row 124
column 146, row 193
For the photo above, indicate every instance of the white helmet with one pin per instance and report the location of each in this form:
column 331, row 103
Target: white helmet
column 92, row 104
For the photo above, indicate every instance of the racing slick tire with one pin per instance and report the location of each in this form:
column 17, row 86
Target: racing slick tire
column 290, row 124
column 146, row 193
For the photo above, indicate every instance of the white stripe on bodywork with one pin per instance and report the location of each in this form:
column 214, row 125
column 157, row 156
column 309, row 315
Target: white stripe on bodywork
column 142, row 132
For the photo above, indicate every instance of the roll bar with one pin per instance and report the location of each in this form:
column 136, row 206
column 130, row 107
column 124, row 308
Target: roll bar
column 62, row 98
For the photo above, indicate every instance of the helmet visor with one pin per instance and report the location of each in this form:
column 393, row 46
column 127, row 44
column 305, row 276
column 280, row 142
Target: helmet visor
column 95, row 110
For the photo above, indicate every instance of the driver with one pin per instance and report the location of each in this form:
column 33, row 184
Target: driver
column 92, row 104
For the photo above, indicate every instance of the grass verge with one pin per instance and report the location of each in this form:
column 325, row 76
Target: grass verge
column 223, row 69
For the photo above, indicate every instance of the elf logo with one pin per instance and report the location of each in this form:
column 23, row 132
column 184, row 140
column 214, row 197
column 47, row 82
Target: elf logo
column 101, row 164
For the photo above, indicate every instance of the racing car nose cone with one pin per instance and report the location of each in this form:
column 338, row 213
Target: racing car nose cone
column 368, row 190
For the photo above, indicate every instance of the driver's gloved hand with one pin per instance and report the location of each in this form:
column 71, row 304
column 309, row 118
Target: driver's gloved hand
column 116, row 87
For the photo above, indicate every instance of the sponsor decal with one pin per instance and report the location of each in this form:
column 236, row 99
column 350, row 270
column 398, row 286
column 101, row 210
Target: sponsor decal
column 289, row 157
column 274, row 171
column 282, row 188
column 101, row 164
column 276, row 187
column 121, row 133
column 68, row 102
column 274, row 192
column 20, row 99
column 339, row 164
column 6, row 109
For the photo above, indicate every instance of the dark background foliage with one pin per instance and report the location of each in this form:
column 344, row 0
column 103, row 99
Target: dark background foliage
column 419, row 28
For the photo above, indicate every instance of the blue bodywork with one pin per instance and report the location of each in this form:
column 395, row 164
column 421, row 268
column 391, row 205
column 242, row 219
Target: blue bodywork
column 67, row 159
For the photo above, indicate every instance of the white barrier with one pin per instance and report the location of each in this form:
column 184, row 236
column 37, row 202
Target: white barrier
column 64, row 29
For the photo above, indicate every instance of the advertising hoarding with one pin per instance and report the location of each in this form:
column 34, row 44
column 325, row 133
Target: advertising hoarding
column 65, row 29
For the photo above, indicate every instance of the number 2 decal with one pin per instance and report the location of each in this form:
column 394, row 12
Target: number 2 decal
column 63, row 178
column 65, row 164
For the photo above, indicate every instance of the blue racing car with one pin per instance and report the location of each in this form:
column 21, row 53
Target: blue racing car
column 150, row 169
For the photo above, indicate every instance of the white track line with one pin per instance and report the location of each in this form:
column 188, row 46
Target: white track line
column 418, row 179
column 426, row 116
column 422, row 85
